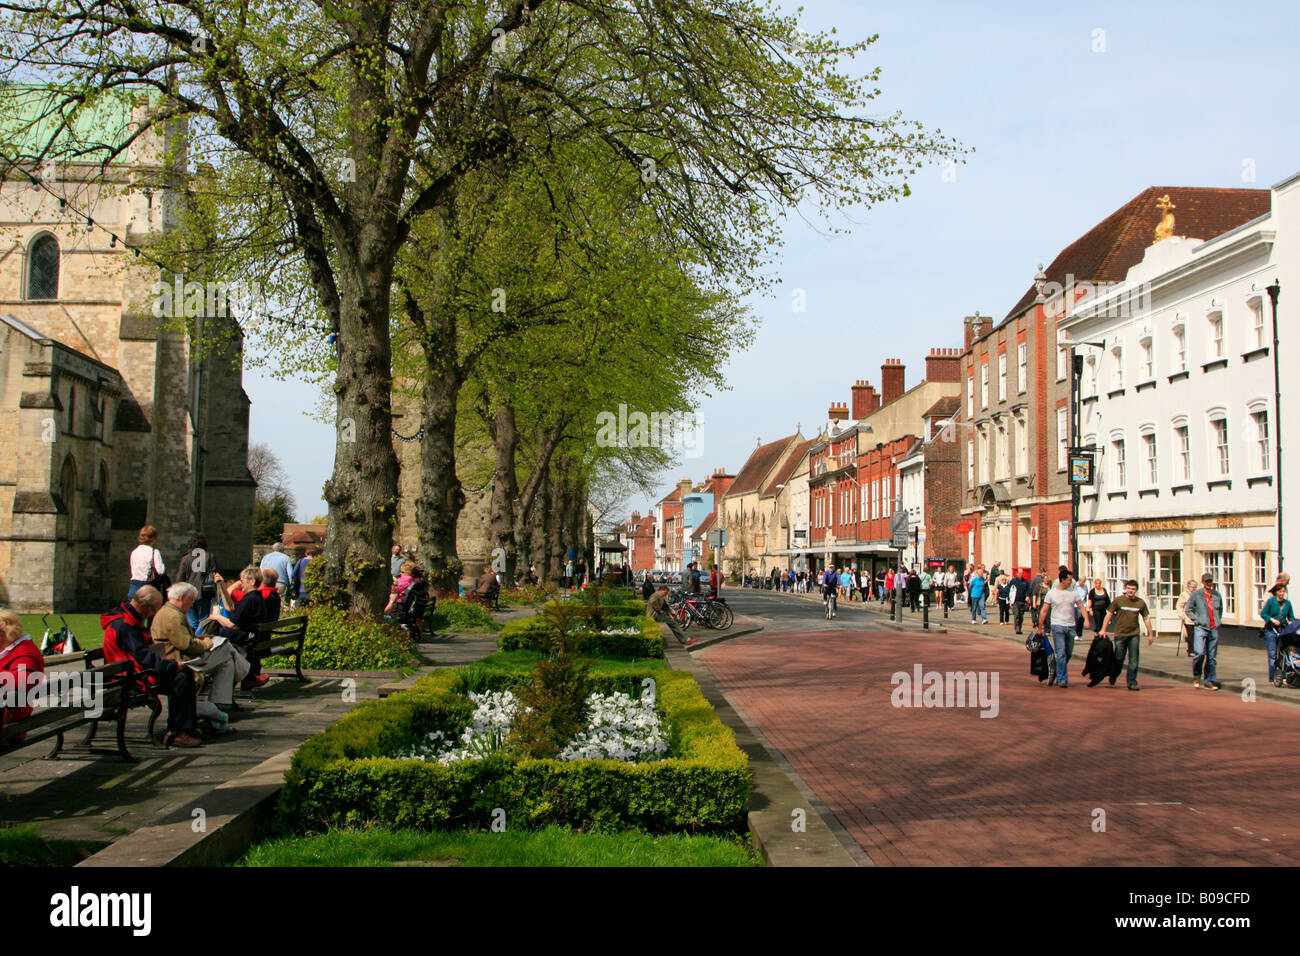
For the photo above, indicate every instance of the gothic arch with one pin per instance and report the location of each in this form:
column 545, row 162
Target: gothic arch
column 42, row 268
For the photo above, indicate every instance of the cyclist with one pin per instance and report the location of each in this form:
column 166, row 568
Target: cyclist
column 830, row 588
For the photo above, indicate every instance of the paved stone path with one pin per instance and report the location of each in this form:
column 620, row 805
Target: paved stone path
column 1184, row 777
column 96, row 800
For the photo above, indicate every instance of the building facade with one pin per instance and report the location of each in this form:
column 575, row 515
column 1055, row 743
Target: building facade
column 118, row 411
column 1177, row 410
column 1016, row 379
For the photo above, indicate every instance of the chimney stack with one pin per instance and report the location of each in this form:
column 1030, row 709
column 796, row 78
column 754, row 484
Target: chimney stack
column 684, row 487
column 977, row 326
column 943, row 365
column 863, row 397
column 891, row 381
column 839, row 412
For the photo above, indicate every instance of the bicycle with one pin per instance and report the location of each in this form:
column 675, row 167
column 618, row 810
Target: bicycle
column 828, row 598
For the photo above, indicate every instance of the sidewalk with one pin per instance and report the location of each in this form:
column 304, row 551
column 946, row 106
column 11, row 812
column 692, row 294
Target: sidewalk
column 95, row 801
column 1165, row 658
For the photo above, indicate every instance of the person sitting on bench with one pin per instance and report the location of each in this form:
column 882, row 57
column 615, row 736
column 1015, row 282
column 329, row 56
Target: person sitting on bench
column 405, row 578
column 270, row 591
column 488, row 587
column 223, row 664
column 126, row 637
column 21, row 666
column 246, row 612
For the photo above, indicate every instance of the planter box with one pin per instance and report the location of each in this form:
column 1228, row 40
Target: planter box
column 341, row 778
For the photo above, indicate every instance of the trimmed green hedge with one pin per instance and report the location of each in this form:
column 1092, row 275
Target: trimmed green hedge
column 456, row 614
column 337, row 641
column 339, row 778
column 531, row 634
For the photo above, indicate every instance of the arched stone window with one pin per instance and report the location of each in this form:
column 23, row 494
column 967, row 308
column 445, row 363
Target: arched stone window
column 43, row 268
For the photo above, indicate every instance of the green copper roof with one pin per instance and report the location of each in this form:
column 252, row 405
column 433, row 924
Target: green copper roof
column 40, row 120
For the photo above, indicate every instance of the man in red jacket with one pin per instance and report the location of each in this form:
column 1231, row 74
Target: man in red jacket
column 126, row 637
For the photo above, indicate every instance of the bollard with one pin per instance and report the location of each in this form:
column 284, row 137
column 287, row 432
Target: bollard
column 925, row 612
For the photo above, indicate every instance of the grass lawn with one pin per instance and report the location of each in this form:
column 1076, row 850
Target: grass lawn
column 85, row 628
column 553, row 846
column 24, row 846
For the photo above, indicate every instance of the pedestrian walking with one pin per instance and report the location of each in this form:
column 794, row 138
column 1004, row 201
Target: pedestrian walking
column 1099, row 602
column 1128, row 612
column 1017, row 596
column 977, row 595
column 279, row 562
column 196, row 568
column 1277, row 614
column 1205, row 608
column 1060, row 607
column 914, row 589
column 1004, row 600
column 147, row 565
column 1180, row 607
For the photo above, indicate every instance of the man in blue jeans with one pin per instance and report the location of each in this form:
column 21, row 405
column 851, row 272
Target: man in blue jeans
column 1060, row 606
column 1205, row 609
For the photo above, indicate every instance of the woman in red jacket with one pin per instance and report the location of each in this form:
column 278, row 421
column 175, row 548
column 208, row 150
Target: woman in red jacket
column 21, row 665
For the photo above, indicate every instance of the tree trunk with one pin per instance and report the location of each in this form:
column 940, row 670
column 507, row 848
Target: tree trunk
column 558, row 524
column 362, row 493
column 437, row 512
column 505, row 507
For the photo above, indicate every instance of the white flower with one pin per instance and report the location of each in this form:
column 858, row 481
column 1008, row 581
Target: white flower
column 618, row 728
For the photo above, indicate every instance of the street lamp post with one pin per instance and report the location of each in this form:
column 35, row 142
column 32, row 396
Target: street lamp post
column 1274, row 291
column 1076, row 416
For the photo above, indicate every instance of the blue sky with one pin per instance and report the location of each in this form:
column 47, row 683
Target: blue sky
column 1184, row 94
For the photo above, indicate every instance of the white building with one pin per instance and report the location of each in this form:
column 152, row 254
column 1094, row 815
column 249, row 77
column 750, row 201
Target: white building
column 1177, row 399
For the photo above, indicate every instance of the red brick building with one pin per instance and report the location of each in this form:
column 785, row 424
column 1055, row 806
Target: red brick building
column 639, row 536
column 854, row 480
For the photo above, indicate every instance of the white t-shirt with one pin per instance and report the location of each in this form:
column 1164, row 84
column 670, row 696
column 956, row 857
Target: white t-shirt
column 140, row 558
column 1061, row 603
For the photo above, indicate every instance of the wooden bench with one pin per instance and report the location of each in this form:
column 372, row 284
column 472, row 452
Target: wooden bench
column 271, row 639
column 490, row 601
column 276, row 638
column 141, row 694
column 118, row 684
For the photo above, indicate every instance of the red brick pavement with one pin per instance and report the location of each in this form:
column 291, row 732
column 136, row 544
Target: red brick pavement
column 1186, row 777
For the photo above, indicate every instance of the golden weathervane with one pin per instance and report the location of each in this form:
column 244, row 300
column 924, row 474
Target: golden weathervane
column 1166, row 227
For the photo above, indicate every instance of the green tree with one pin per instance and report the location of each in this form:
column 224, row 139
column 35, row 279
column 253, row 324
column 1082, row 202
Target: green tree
column 269, row 519
column 334, row 130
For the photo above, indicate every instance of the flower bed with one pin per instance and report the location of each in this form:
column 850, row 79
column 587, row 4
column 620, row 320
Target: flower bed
column 619, row 727
column 345, row 776
column 631, row 636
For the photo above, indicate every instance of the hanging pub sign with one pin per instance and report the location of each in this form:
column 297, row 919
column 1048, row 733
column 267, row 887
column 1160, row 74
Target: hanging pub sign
column 1081, row 464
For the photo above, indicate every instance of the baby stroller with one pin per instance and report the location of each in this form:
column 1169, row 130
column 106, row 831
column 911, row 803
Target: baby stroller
column 57, row 641
column 1286, row 668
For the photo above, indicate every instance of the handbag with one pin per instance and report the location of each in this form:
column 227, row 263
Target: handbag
column 161, row 581
column 1034, row 643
